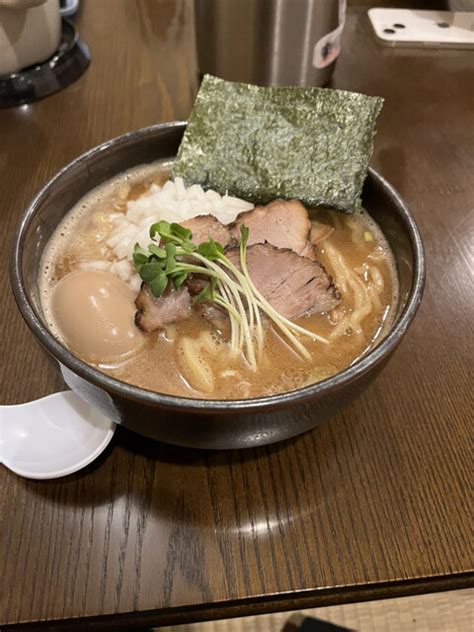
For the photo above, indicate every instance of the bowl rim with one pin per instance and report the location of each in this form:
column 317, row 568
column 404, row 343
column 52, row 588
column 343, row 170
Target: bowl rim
column 210, row 406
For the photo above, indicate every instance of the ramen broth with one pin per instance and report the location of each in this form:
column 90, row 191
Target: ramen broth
column 191, row 358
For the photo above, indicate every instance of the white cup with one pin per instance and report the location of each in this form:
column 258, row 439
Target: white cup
column 30, row 33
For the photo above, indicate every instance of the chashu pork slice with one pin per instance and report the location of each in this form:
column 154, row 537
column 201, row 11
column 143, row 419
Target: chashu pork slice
column 204, row 227
column 282, row 223
column 294, row 286
column 156, row 313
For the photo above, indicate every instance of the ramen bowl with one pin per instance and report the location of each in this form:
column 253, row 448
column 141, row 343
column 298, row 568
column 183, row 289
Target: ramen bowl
column 200, row 423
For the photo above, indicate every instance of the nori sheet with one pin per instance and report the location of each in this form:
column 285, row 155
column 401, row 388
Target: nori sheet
column 257, row 143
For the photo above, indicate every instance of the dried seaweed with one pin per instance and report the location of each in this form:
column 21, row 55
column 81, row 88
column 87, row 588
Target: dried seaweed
column 312, row 144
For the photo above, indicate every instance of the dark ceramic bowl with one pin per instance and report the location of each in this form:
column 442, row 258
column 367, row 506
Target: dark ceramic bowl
column 194, row 422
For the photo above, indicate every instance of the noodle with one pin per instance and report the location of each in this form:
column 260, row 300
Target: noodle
column 194, row 368
column 356, row 230
column 339, row 266
column 341, row 328
column 359, row 315
column 320, row 231
column 377, row 277
column 345, row 278
column 374, row 295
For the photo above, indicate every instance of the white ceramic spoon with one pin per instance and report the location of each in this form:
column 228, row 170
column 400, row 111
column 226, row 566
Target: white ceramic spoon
column 52, row 436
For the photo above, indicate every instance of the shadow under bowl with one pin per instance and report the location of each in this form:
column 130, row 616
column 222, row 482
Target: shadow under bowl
column 210, row 424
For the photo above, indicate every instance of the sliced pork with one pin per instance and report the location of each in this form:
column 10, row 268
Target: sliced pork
column 280, row 259
column 196, row 283
column 282, row 223
column 156, row 313
column 294, row 286
column 204, row 227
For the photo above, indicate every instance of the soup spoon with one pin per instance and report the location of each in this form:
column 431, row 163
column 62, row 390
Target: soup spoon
column 52, row 436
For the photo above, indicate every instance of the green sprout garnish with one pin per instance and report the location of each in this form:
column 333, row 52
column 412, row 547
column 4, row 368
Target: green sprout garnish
column 172, row 257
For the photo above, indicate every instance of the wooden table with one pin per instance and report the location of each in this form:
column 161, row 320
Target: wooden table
column 372, row 504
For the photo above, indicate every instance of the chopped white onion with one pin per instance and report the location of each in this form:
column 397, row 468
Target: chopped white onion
column 173, row 202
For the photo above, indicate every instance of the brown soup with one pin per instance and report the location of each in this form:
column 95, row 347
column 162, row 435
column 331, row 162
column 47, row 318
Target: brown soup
column 191, row 358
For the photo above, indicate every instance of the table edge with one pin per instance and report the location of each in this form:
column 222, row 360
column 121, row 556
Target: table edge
column 279, row 602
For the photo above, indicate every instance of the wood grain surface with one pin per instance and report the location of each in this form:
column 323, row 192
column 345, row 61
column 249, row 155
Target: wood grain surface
column 372, row 504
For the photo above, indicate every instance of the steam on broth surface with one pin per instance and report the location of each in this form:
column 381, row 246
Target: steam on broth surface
column 191, row 358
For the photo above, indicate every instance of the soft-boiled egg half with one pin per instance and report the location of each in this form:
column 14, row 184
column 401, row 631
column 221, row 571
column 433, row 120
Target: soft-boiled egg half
column 94, row 313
